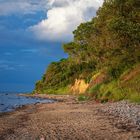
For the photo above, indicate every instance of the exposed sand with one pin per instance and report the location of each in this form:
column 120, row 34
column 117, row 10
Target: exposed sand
column 67, row 120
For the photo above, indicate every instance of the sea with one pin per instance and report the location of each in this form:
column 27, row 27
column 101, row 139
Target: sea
column 11, row 101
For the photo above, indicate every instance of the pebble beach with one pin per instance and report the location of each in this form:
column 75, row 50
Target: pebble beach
column 69, row 119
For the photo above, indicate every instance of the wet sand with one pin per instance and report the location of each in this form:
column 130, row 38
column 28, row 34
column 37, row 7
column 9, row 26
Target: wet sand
column 66, row 119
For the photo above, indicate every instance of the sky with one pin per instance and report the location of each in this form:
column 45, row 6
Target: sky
column 31, row 36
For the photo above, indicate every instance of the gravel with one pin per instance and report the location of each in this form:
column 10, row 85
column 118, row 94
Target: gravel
column 127, row 113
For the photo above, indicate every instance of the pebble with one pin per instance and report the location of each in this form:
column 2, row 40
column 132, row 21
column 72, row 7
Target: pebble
column 125, row 111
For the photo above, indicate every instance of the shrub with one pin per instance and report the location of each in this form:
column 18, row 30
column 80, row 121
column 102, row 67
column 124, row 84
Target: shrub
column 83, row 98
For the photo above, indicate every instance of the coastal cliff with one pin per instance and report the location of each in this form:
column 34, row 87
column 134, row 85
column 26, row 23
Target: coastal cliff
column 104, row 57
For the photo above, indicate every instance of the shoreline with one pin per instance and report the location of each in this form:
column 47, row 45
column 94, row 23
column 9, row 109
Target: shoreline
column 67, row 119
column 15, row 101
column 54, row 98
column 59, row 98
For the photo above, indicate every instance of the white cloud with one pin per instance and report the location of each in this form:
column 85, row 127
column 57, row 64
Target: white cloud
column 8, row 7
column 29, row 50
column 63, row 17
column 10, row 65
column 6, row 67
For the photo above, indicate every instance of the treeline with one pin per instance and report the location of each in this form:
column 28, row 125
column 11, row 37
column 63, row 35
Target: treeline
column 110, row 41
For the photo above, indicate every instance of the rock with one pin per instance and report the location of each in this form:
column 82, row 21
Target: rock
column 125, row 112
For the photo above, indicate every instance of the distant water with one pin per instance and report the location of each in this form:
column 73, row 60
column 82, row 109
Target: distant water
column 10, row 101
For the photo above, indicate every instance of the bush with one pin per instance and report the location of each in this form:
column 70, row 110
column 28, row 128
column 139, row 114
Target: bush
column 83, row 98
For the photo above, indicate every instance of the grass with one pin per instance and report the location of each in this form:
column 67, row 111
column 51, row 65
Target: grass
column 120, row 89
column 56, row 91
column 115, row 92
column 95, row 89
column 83, row 98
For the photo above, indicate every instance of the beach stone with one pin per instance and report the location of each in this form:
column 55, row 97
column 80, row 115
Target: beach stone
column 125, row 112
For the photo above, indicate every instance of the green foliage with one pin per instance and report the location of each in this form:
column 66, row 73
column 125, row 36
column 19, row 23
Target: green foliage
column 83, row 98
column 61, row 90
column 116, row 90
column 63, row 73
column 109, row 41
column 112, row 91
column 94, row 90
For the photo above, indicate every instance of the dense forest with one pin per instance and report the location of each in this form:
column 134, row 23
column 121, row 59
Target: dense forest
column 109, row 44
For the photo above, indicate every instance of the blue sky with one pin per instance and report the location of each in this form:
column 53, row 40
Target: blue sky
column 31, row 35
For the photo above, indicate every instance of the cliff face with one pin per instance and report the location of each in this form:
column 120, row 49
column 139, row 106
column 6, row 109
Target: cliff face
column 79, row 87
column 102, row 87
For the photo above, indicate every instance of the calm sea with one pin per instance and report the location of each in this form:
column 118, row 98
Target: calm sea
column 10, row 101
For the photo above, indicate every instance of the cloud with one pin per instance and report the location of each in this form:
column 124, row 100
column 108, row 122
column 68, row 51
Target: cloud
column 8, row 7
column 63, row 17
column 29, row 50
column 6, row 65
